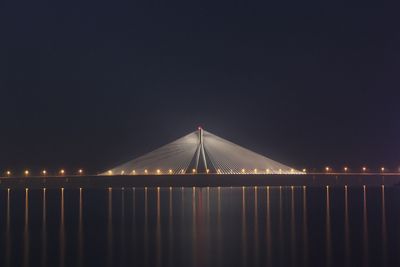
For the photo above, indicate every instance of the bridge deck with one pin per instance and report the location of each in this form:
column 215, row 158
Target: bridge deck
column 201, row 180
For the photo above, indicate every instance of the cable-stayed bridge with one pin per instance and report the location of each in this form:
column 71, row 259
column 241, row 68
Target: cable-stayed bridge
column 195, row 160
column 201, row 152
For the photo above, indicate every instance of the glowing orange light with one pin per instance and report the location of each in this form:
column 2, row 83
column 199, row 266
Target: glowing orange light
column 364, row 169
column 327, row 169
column 8, row 173
column 158, row 171
column 170, row 171
column 44, row 172
column 80, row 171
column 62, row 171
column 383, row 169
column 345, row 169
column 26, row 172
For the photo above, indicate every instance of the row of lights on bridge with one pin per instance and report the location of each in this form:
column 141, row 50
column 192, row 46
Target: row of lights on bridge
column 346, row 169
column 45, row 172
column 182, row 171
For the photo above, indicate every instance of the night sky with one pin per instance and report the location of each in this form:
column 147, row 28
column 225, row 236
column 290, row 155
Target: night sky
column 91, row 85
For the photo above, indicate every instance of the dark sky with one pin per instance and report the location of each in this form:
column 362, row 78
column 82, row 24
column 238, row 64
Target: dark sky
column 94, row 84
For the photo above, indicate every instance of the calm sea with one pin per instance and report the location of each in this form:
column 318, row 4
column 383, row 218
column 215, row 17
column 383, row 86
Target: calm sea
column 239, row 226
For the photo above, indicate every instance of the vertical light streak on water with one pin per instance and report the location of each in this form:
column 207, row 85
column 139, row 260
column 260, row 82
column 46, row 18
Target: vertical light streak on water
column 26, row 229
column 8, row 231
column 256, row 240
column 201, row 258
column 80, row 229
column 170, row 229
column 346, row 228
column 280, row 227
column 133, row 252
column 268, row 231
column 208, row 240
column 158, row 230
column 146, row 229
column 384, row 231
column 44, row 229
column 182, row 223
column 293, row 228
column 305, row 228
column 219, row 228
column 123, row 247
column 328, row 229
column 109, row 230
column 194, row 228
column 62, row 231
column 365, row 228
column 244, row 228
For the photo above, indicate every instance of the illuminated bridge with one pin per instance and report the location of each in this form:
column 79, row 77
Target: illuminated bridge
column 199, row 159
column 201, row 152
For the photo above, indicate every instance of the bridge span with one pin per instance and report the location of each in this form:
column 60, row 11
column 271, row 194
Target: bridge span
column 202, row 180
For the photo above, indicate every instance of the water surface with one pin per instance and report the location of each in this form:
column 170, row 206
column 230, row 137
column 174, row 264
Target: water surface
column 208, row 226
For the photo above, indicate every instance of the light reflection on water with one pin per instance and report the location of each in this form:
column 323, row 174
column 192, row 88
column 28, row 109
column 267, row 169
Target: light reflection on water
column 365, row 229
column 26, row 230
column 346, row 228
column 44, row 230
column 201, row 226
column 328, row 230
column 80, row 229
column 305, row 228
